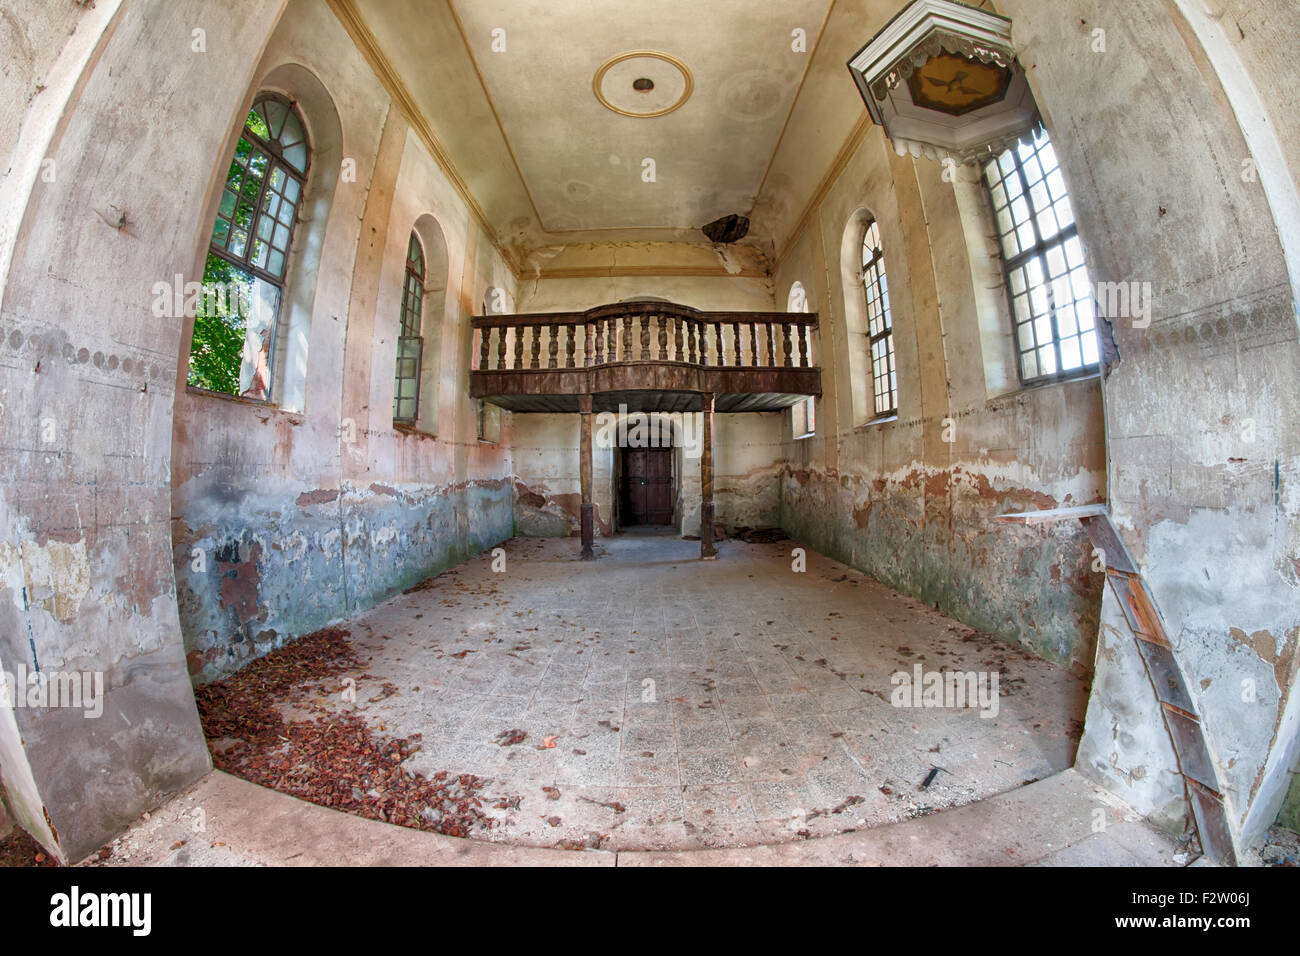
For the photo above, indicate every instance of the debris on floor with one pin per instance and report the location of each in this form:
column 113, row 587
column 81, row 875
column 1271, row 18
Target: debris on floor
column 334, row 759
column 686, row 724
column 1281, row 847
column 19, row 849
column 760, row 535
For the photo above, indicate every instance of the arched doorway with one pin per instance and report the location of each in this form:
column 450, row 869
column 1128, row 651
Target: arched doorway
column 645, row 474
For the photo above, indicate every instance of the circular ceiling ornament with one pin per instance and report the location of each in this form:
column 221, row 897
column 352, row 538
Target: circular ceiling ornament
column 643, row 84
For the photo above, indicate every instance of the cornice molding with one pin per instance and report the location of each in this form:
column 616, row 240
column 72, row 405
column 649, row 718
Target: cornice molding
column 646, row 271
column 850, row 147
column 350, row 17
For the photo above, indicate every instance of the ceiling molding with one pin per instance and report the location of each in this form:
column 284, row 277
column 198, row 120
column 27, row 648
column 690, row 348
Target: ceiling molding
column 365, row 41
column 771, row 160
column 651, row 271
column 855, row 138
column 473, row 61
column 668, row 58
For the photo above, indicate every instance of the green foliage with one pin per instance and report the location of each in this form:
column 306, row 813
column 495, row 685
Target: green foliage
column 219, row 326
column 257, row 124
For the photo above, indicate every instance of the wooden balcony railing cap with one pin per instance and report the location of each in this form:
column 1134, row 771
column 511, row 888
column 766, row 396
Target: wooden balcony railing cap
column 642, row 307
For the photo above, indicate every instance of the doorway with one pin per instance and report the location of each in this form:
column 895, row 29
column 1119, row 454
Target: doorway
column 646, row 487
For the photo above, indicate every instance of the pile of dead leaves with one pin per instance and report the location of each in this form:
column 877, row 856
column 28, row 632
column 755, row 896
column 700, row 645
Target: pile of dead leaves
column 336, row 762
column 19, row 849
column 759, row 535
column 333, row 760
column 240, row 706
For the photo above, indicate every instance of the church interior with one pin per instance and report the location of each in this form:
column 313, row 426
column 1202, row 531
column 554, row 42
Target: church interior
column 730, row 433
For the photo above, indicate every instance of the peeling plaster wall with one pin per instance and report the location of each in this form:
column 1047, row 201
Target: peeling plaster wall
column 113, row 473
column 1204, row 460
column 895, row 499
column 86, row 381
column 284, row 522
column 1191, row 440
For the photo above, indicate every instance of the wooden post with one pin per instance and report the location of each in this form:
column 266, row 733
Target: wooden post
column 588, row 509
column 707, row 550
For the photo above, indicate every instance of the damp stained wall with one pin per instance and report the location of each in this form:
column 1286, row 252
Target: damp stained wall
column 112, row 473
column 1181, row 178
column 86, row 375
column 115, row 478
column 892, row 496
column 286, row 520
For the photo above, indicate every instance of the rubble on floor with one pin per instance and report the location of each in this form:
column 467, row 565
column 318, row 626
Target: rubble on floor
column 19, row 849
column 333, row 759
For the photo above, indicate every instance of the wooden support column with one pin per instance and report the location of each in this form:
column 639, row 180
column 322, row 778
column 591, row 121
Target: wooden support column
column 588, row 509
column 707, row 550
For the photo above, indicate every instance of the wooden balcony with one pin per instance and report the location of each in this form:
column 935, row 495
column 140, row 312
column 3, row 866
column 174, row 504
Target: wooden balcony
column 649, row 356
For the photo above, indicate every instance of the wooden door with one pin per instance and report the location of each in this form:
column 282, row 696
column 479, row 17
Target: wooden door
column 647, row 493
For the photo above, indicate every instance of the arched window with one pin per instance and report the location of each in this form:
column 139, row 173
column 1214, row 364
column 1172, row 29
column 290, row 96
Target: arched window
column 1052, row 307
column 410, row 344
column 243, row 281
column 880, row 326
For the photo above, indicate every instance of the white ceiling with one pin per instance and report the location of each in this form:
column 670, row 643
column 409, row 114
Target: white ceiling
column 551, row 167
column 581, row 162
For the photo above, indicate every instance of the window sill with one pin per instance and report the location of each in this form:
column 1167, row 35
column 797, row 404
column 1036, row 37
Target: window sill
column 413, row 431
column 240, row 400
column 1047, row 383
column 802, row 437
column 872, row 422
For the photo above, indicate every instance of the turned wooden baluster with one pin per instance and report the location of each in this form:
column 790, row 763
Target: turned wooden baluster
column 677, row 338
column 771, row 346
column 803, row 346
column 785, row 344
column 735, row 334
column 663, row 337
column 596, row 329
column 690, row 339
column 484, row 336
column 570, row 344
column 553, row 344
column 537, row 346
column 519, row 347
column 501, row 348
column 644, row 322
column 627, row 336
column 753, row 345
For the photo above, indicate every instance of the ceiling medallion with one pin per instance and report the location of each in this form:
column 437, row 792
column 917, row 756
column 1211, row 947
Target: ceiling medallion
column 943, row 80
column 643, row 84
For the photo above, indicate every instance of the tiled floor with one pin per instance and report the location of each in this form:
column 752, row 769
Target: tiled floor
column 673, row 703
